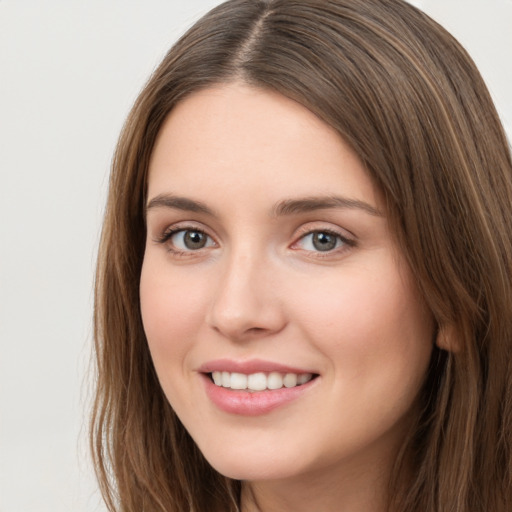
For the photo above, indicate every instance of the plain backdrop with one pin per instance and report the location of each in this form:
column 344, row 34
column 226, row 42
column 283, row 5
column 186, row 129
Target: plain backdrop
column 69, row 72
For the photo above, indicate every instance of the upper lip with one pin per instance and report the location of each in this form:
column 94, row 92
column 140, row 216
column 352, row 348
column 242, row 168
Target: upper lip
column 249, row 366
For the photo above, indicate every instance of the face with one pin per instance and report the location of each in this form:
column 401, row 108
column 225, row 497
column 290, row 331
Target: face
column 283, row 322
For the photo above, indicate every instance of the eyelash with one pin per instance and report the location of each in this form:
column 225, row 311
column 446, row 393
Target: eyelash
column 347, row 243
column 166, row 236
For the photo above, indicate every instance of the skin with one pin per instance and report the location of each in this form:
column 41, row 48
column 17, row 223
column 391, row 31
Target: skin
column 259, row 288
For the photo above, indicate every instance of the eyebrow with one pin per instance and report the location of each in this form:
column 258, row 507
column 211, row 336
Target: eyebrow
column 308, row 204
column 178, row 203
column 282, row 208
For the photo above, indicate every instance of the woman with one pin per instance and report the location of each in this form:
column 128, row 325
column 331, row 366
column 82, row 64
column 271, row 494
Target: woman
column 305, row 278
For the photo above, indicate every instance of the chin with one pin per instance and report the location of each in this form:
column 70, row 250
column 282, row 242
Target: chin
column 243, row 465
column 251, row 472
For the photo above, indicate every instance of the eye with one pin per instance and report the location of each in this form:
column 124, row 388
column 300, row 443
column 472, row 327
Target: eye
column 322, row 241
column 185, row 240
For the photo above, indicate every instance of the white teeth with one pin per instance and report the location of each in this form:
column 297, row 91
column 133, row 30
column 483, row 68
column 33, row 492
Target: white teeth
column 274, row 380
column 259, row 381
column 217, row 378
column 238, row 381
column 290, row 380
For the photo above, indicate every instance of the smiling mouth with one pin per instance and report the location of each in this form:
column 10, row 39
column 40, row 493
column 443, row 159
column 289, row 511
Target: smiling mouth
column 259, row 381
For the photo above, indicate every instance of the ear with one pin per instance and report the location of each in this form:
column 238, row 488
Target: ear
column 447, row 338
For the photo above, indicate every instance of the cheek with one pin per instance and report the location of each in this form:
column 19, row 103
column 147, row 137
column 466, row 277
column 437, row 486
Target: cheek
column 172, row 308
column 371, row 326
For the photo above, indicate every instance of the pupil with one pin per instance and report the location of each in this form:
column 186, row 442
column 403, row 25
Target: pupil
column 324, row 241
column 194, row 240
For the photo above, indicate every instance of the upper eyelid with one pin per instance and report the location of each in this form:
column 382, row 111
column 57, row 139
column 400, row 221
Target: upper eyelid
column 300, row 232
column 165, row 234
column 185, row 225
column 316, row 227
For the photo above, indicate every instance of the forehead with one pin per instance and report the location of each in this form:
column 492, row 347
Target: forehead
column 243, row 139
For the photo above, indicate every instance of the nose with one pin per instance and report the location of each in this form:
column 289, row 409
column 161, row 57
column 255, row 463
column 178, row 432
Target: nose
column 246, row 300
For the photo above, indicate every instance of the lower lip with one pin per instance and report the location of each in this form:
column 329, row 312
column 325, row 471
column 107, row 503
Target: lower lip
column 254, row 403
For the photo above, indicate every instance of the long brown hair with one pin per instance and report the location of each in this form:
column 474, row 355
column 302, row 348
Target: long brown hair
column 410, row 102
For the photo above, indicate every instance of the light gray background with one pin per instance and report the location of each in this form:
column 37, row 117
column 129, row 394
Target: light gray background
column 69, row 72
